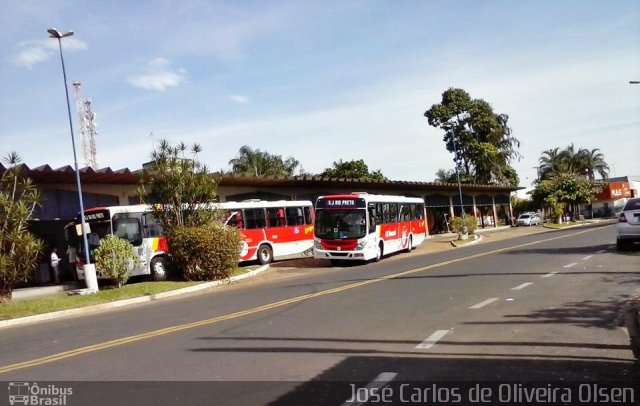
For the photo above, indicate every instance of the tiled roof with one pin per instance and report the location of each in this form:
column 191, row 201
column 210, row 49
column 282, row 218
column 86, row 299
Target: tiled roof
column 66, row 174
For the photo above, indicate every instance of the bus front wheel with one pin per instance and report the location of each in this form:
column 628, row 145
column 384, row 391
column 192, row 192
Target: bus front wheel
column 265, row 254
column 379, row 253
column 159, row 269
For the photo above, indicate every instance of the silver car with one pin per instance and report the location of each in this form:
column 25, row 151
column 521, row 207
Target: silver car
column 628, row 227
column 528, row 219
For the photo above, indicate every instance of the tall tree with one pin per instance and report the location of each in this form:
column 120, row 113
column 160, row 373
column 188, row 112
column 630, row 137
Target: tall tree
column 483, row 140
column 19, row 248
column 178, row 186
column 354, row 169
column 256, row 162
column 592, row 161
column 572, row 160
column 551, row 163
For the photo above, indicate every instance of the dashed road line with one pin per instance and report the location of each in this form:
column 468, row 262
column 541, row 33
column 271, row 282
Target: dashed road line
column 587, row 257
column 570, row 265
column 432, row 339
column 601, row 252
column 549, row 274
column 484, row 303
column 380, row 381
column 524, row 285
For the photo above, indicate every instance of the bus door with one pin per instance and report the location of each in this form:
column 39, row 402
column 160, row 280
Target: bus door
column 127, row 226
column 253, row 233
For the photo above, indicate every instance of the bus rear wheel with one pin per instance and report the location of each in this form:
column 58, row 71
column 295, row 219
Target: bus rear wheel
column 409, row 244
column 265, row 254
column 159, row 269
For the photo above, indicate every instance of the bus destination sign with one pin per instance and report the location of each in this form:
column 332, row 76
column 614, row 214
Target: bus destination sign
column 341, row 203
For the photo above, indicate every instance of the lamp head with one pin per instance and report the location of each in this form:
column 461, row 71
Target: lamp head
column 53, row 33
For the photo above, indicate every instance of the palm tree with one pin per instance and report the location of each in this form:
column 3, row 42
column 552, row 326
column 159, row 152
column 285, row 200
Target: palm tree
column 592, row 162
column 551, row 162
column 256, row 162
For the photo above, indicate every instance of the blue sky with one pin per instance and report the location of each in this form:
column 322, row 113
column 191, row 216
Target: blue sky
column 320, row 80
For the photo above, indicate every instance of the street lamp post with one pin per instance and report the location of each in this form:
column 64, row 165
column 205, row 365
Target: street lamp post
column 88, row 268
column 455, row 153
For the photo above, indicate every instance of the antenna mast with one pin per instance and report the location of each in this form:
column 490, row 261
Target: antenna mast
column 87, row 125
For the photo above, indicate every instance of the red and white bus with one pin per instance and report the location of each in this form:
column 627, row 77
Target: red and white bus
column 361, row 226
column 270, row 230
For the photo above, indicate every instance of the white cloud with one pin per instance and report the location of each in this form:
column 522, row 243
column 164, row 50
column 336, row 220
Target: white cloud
column 158, row 77
column 239, row 99
column 32, row 53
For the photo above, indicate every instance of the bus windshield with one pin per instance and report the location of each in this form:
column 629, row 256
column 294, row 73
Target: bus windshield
column 340, row 223
column 99, row 230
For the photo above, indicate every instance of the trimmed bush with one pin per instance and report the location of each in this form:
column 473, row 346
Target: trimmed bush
column 206, row 252
column 116, row 258
column 457, row 224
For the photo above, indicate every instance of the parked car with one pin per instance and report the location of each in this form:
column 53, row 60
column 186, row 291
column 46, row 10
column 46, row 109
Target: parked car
column 628, row 227
column 528, row 219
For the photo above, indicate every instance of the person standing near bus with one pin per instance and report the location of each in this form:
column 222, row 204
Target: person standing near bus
column 55, row 265
column 73, row 259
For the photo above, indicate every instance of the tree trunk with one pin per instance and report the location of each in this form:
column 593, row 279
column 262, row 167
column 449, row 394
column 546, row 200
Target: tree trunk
column 5, row 293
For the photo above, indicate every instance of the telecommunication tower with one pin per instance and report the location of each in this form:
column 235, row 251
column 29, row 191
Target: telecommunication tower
column 87, row 125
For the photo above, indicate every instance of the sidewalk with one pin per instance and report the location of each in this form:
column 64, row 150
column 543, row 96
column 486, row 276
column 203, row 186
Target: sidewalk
column 121, row 303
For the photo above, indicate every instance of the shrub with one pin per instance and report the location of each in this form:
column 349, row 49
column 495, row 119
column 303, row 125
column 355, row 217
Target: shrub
column 205, row 252
column 116, row 258
column 457, row 224
column 19, row 249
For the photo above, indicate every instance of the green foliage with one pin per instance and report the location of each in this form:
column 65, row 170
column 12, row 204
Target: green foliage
column 582, row 162
column 483, row 141
column 19, row 248
column 523, row 205
column 563, row 189
column 205, row 252
column 178, row 187
column 116, row 258
column 458, row 224
column 450, row 176
column 352, row 170
column 256, row 162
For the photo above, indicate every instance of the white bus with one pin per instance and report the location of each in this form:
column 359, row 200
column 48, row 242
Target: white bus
column 270, row 230
column 362, row 226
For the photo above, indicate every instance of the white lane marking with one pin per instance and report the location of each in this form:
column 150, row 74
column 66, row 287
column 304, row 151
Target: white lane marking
column 432, row 339
column 610, row 247
column 570, row 265
column 483, row 304
column 587, row 257
column 380, row 381
column 601, row 252
column 549, row 274
column 524, row 285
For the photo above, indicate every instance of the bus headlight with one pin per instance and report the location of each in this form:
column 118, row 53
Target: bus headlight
column 361, row 245
column 317, row 244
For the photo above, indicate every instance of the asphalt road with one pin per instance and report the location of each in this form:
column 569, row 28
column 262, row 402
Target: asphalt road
column 538, row 308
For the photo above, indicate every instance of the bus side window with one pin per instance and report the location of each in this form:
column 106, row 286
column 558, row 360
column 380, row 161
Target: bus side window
column 272, row 217
column 150, row 227
column 281, row 218
column 232, row 219
column 379, row 217
column 128, row 229
column 294, row 216
column 307, row 215
column 393, row 212
column 405, row 212
column 420, row 211
column 254, row 218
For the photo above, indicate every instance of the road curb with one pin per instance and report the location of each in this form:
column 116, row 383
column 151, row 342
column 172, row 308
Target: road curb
column 128, row 302
column 475, row 241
